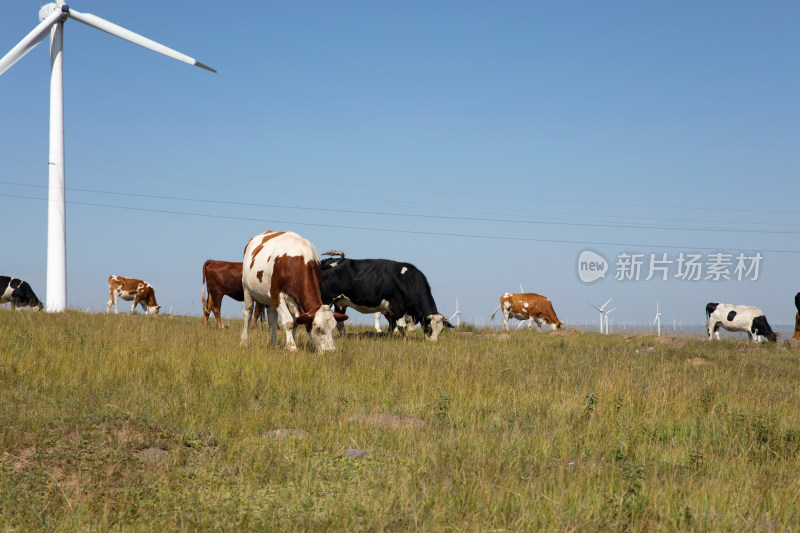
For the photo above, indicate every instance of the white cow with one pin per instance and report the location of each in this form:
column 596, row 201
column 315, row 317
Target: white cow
column 745, row 318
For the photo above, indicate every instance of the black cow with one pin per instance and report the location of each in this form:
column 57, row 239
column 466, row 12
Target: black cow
column 398, row 290
column 19, row 293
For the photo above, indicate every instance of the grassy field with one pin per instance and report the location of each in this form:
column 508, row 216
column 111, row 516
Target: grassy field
column 154, row 423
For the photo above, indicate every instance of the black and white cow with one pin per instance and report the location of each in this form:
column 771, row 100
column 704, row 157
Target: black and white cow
column 397, row 290
column 738, row 318
column 19, row 293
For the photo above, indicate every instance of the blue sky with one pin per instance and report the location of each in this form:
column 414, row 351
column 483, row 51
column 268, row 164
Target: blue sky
column 487, row 144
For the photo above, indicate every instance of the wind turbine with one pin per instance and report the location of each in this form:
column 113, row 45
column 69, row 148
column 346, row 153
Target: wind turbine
column 52, row 17
column 608, row 313
column 457, row 315
column 657, row 320
column 602, row 312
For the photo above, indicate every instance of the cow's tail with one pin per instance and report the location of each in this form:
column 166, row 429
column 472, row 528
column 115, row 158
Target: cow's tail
column 203, row 293
column 797, row 301
column 496, row 310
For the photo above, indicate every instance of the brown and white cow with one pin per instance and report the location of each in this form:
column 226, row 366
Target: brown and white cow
column 222, row 278
column 129, row 289
column 281, row 270
column 528, row 305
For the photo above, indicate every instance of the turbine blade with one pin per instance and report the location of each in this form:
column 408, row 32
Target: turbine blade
column 118, row 31
column 30, row 41
column 605, row 304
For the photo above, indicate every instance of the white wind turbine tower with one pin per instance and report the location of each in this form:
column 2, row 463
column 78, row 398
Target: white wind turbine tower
column 608, row 313
column 457, row 315
column 52, row 17
column 657, row 320
column 602, row 310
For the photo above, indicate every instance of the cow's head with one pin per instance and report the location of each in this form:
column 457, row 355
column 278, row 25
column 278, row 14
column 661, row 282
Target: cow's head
column 320, row 327
column 153, row 309
column 37, row 305
column 433, row 325
column 556, row 325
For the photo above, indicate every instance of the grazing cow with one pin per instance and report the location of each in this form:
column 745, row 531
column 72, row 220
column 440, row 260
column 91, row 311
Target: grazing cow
column 796, row 335
column 397, row 290
column 129, row 289
column 738, row 318
column 19, row 293
column 222, row 278
column 281, row 270
column 528, row 306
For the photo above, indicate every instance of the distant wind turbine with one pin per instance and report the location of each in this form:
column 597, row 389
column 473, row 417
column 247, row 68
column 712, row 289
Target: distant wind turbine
column 52, row 17
column 602, row 312
column 657, row 320
column 456, row 315
column 608, row 313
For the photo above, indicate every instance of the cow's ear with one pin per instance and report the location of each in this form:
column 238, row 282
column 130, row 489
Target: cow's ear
column 447, row 323
column 305, row 318
column 340, row 317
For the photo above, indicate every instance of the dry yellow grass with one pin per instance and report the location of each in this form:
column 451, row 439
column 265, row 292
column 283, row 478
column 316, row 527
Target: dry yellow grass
column 134, row 422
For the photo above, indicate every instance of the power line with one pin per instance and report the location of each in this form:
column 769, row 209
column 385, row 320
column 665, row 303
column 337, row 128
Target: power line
column 531, row 220
column 412, row 190
column 413, row 232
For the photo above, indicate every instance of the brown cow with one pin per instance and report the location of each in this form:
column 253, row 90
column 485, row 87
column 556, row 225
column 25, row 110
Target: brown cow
column 222, row 278
column 797, row 317
column 527, row 305
column 129, row 289
column 282, row 271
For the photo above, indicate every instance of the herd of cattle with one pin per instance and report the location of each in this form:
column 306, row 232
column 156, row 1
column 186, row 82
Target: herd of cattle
column 282, row 273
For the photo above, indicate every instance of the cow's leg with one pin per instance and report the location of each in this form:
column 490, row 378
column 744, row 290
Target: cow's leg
column 392, row 323
column 505, row 319
column 530, row 323
column 246, row 314
column 258, row 310
column 272, row 320
column 216, row 308
column 112, row 300
column 135, row 302
column 716, row 330
column 378, row 322
column 288, row 322
column 340, row 325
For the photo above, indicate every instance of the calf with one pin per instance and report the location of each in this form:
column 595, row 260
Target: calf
column 19, row 293
column 281, row 270
column 397, row 290
column 738, row 318
column 797, row 317
column 129, row 289
column 528, row 306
